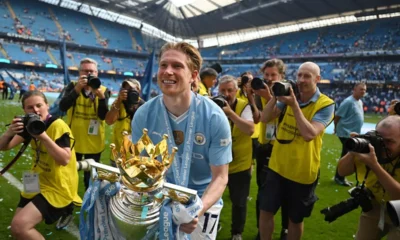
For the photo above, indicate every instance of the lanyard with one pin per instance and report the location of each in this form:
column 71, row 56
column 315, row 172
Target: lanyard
column 38, row 145
column 181, row 170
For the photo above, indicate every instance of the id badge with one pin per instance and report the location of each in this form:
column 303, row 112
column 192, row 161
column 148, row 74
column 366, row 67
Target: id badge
column 93, row 127
column 31, row 182
column 270, row 131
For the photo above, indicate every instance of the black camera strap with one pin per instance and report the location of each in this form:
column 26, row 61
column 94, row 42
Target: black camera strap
column 231, row 123
column 20, row 152
column 283, row 141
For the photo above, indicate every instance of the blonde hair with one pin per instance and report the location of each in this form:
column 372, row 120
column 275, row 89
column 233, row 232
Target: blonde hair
column 87, row 60
column 135, row 82
column 194, row 60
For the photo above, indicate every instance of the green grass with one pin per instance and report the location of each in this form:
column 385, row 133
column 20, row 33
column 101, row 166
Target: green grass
column 315, row 226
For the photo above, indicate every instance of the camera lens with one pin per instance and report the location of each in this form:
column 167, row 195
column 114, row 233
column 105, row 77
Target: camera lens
column 219, row 100
column 34, row 125
column 359, row 145
column 94, row 82
column 257, row 84
column 281, row 89
column 133, row 97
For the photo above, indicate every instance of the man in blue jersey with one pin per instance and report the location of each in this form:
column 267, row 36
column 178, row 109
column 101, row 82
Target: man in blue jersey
column 197, row 126
column 349, row 118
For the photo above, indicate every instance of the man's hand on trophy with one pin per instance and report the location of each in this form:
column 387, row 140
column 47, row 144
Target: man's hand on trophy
column 189, row 227
column 186, row 217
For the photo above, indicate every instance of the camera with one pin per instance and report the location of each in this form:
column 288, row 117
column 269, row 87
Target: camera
column 360, row 196
column 32, row 123
column 220, row 100
column 283, row 88
column 244, row 80
column 258, row 83
column 360, row 143
column 93, row 82
column 397, row 108
column 133, row 97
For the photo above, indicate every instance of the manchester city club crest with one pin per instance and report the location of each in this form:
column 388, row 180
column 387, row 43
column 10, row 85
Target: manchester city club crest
column 199, row 139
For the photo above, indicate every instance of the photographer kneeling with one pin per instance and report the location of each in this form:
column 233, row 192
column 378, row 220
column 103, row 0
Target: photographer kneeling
column 380, row 169
column 51, row 186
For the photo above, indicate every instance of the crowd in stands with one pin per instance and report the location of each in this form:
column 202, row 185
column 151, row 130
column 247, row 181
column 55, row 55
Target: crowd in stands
column 54, row 81
column 379, row 35
column 36, row 19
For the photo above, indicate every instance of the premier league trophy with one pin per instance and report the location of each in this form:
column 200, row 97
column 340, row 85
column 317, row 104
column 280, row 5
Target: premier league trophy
column 142, row 168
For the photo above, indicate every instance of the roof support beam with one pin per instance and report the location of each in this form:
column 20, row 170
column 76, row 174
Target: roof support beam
column 214, row 3
column 202, row 12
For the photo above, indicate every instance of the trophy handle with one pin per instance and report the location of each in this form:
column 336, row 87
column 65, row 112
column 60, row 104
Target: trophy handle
column 178, row 193
column 104, row 172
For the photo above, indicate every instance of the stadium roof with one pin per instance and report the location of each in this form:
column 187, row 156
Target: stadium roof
column 194, row 18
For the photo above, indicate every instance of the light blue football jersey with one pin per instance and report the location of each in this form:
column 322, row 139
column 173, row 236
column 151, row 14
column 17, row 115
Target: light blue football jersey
column 212, row 138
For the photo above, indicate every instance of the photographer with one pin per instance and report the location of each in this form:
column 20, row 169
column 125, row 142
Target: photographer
column 273, row 71
column 208, row 78
column 295, row 160
column 86, row 104
column 382, row 180
column 245, row 92
column 51, row 187
column 242, row 127
column 123, row 109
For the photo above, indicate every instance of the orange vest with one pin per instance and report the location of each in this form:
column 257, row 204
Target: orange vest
column 32, row 87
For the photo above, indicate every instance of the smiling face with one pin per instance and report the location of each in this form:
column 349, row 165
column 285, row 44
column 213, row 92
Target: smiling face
column 174, row 76
column 36, row 104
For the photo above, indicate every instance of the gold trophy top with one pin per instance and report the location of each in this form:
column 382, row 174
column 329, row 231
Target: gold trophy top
column 140, row 169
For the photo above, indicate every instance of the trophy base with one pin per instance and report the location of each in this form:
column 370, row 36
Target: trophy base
column 133, row 218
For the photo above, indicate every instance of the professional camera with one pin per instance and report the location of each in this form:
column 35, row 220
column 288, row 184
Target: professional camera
column 93, row 82
column 397, row 108
column 131, row 101
column 258, row 83
column 133, row 97
column 32, row 123
column 360, row 143
column 219, row 100
column 283, row 88
column 244, row 80
column 360, row 196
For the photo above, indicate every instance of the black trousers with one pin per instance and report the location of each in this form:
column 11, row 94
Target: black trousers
column 239, row 190
column 262, row 158
column 344, row 152
column 5, row 93
column 86, row 174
